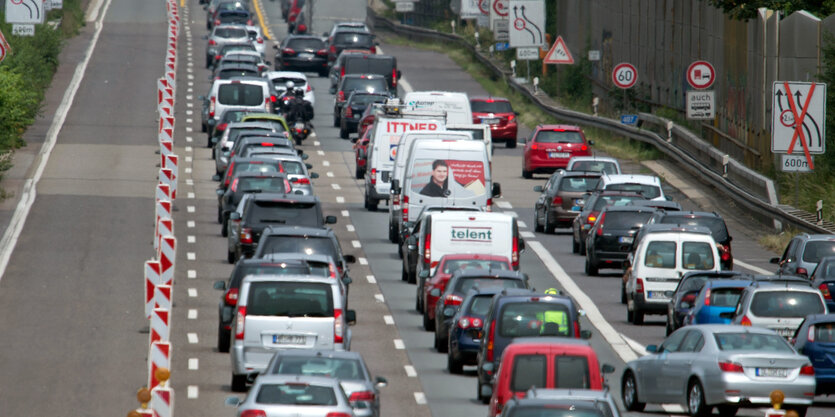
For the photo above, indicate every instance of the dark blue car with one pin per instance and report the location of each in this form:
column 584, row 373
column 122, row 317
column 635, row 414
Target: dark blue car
column 823, row 278
column 716, row 297
column 467, row 329
column 815, row 338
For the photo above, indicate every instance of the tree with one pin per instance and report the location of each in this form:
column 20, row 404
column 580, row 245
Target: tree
column 744, row 10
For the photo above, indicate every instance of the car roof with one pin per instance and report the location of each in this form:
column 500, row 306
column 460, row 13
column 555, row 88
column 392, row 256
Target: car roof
column 787, row 285
column 517, row 295
column 593, row 158
column 631, row 178
column 488, row 273
column 254, row 124
column 320, row 353
column 726, row 283
column 298, row 230
column 692, row 214
column 666, row 206
column 818, row 318
column 730, row 328
column 285, row 378
column 569, row 394
column 294, row 74
column 289, row 278
column 246, row 174
column 473, row 256
column 489, row 99
column 297, row 257
column 549, row 340
column 629, row 208
column 370, row 76
column 571, row 128
column 565, row 173
column 672, row 228
column 288, row 198
column 293, row 37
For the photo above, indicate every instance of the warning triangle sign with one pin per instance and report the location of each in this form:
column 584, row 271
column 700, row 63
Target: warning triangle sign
column 559, row 53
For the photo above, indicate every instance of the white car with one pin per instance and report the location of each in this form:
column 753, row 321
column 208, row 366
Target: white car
column 647, row 185
column 594, row 163
column 257, row 39
column 280, row 78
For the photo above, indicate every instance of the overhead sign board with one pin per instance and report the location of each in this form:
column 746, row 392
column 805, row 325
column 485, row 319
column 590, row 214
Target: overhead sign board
column 795, row 163
column 798, row 122
column 25, row 11
column 700, row 74
column 701, row 105
column 527, row 54
column 404, row 6
column 527, row 23
column 558, row 54
column 624, row 75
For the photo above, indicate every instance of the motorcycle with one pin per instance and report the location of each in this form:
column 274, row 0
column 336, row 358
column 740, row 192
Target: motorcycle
column 300, row 131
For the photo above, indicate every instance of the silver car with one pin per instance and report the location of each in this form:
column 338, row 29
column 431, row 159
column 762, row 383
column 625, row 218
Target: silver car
column 803, row 253
column 222, row 35
column 781, row 307
column 348, row 367
column 294, row 395
column 579, row 402
column 723, row 366
column 230, row 136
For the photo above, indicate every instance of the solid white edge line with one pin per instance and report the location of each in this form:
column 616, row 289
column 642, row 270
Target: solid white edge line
column 752, row 268
column 27, row 198
column 619, row 345
column 637, row 347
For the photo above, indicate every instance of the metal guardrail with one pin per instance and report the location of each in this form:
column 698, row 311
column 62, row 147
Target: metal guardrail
column 747, row 188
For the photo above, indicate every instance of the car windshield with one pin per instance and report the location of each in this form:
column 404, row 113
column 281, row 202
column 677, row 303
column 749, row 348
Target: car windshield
column 240, row 94
column 341, row 368
column 351, row 39
column 561, row 410
column 817, row 249
column 625, row 220
column 480, row 304
column 369, row 85
column 227, row 33
column 296, row 394
column 716, row 224
column 578, row 184
column 595, row 166
column 646, row 190
column 265, row 184
column 369, row 65
column 559, row 136
column 490, row 106
column 310, row 245
column 786, row 304
column 283, row 212
column 290, row 299
column 306, row 44
column 534, row 319
column 612, row 200
column 752, row 341
column 453, row 265
column 466, row 284
column 697, row 255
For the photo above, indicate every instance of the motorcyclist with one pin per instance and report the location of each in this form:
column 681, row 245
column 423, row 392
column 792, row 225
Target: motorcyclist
column 298, row 109
column 286, row 96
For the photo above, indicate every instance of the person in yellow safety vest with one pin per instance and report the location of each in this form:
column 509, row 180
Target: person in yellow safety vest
column 556, row 318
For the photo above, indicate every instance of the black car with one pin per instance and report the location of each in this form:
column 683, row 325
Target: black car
column 350, row 39
column 311, row 240
column 353, row 109
column 561, row 198
column 265, row 210
column 610, row 239
column 247, row 182
column 712, row 221
column 689, row 287
column 592, row 204
column 336, row 70
column 383, row 65
column 302, row 53
column 366, row 83
column 227, row 70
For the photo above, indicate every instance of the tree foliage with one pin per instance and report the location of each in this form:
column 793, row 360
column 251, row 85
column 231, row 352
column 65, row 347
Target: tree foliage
column 744, row 10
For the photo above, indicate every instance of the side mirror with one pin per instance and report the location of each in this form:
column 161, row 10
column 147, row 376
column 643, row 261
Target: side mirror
column 220, row 285
column 399, row 74
column 275, row 46
column 299, row 152
column 202, row 98
column 652, row 348
column 424, row 274
column 234, row 216
column 351, row 317
column 607, row 369
column 497, row 190
column 380, row 382
column 232, row 401
column 215, row 140
column 774, row 260
column 347, row 281
column 212, row 122
column 522, row 245
column 220, row 192
column 585, row 334
column 449, row 312
column 314, row 175
column 487, row 367
column 727, row 315
column 486, row 391
column 538, row 188
column 435, row 292
column 215, row 177
column 591, row 142
column 668, row 198
column 304, row 158
column 324, row 34
column 308, row 166
column 330, row 219
column 685, row 304
column 350, row 259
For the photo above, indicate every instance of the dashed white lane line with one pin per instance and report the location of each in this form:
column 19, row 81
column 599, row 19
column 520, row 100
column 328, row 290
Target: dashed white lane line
column 363, row 261
column 190, row 195
column 399, row 345
column 192, row 273
column 192, row 314
column 340, row 199
column 420, row 398
column 188, row 158
column 192, row 338
column 371, row 279
column 192, row 292
column 191, row 209
column 191, row 256
column 380, row 298
column 521, row 224
column 388, row 319
column 193, row 392
column 752, row 267
column 512, row 213
column 410, row 371
column 350, row 227
column 190, row 224
column 526, row 234
column 189, row 139
column 191, row 239
column 193, row 364
column 345, row 213
column 320, row 153
column 326, row 163
column 329, row 174
column 316, row 143
column 356, row 244
column 503, row 205
column 189, row 181
column 336, row 186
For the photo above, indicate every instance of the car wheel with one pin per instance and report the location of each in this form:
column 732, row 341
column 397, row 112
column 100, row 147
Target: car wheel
column 696, row 406
column 575, row 246
column 208, row 61
column 510, row 143
column 413, row 277
column 483, row 399
column 223, row 340
column 550, row 227
column 224, row 229
column 238, row 383
column 637, row 316
column 622, row 293
column 418, row 306
column 629, row 394
column 536, row 226
column 230, row 256
column 454, row 366
column 728, row 410
column 591, row 267
column 429, row 325
column 526, row 174
column 220, row 215
column 209, row 144
column 358, row 173
column 343, row 130
column 370, row 203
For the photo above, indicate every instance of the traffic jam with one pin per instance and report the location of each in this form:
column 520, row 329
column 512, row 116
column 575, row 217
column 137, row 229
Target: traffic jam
column 428, row 167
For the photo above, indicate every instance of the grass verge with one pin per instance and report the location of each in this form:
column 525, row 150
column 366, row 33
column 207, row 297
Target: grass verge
column 777, row 242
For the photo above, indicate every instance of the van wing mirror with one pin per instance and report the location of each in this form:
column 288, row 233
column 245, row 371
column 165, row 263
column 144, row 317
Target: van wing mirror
column 314, row 175
column 234, row 215
column 351, row 317
column 424, row 274
column 607, row 369
column 351, row 259
column 399, row 74
column 308, row 166
column 774, row 260
column 220, row 285
column 537, row 188
column 330, row 219
column 497, row 190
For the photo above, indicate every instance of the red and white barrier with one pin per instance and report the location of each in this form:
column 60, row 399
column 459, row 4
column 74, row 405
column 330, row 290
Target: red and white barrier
column 162, row 401
column 166, row 176
column 152, row 279
column 163, row 211
column 165, row 99
column 166, row 128
column 166, row 147
column 159, row 356
column 160, row 325
column 170, row 162
column 167, row 257
column 171, row 79
column 163, row 192
column 165, row 227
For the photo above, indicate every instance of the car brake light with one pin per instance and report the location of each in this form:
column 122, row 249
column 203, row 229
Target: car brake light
column 340, row 97
column 322, row 52
column 288, row 51
column 221, row 127
column 807, row 370
column 373, row 49
column 229, row 172
column 824, row 289
column 309, row 88
column 246, row 235
column 467, row 322
column 300, row 181
column 249, row 22
column 239, row 323
column 557, row 200
column 601, row 220
column 393, row 77
column 730, row 367
column 234, row 185
column 592, row 218
column 707, row 297
column 212, row 42
column 404, row 210
column 745, row 321
column 287, row 187
column 335, row 414
column 337, row 325
column 639, row 286
column 690, row 298
column 218, row 57
column 584, row 148
column 427, row 249
column 373, row 176
column 333, row 49
column 212, row 106
column 361, row 396
column 273, row 99
column 511, row 117
column 342, row 72
column 349, row 112
column 260, row 40
column 253, row 413
column 453, row 300
column 489, row 207
column 231, row 297
column 514, row 254
column 217, row 22
column 533, row 146
column 802, row 271
column 490, row 336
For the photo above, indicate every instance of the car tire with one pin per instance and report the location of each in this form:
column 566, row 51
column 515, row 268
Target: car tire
column 413, row 277
column 536, row 226
column 219, row 215
column 453, row 366
column 526, row 174
column 575, row 246
column 223, row 339
column 404, row 276
column 418, row 306
column 622, row 293
column 224, row 228
column 550, row 227
column 358, row 173
column 440, row 343
column 343, row 130
column 510, row 143
column 696, row 406
column 238, row 383
column 370, row 203
column 429, row 325
column 230, row 256
column 209, row 144
column 729, row 410
column 591, row 267
column 629, row 393
column 637, row 316
column 208, row 60
column 484, row 400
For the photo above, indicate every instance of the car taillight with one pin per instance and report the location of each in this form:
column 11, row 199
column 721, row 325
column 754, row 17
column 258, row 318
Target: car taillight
column 600, row 229
column 337, row 325
column 514, row 254
column 373, row 49
column 342, row 72
column 427, row 249
column 254, row 413
column 361, row 396
column 288, row 51
column 212, row 42
column 824, row 289
column 273, row 99
column 322, row 52
column 234, row 186
column 556, row 200
column 639, row 286
column 395, row 201
column 393, row 77
column 489, row 207
column 349, row 112
column 332, row 49
column 533, row 146
column 231, row 297
column 745, row 321
column 730, row 367
column 404, row 211
column 511, row 117
column 212, row 106
column 811, row 335
column 229, row 172
column 336, row 414
column 576, row 329
column 584, row 148
column 218, row 57
column 221, row 127
column 453, row 300
column 240, row 318
column 309, row 88
column 246, row 235
column 467, row 322
column 340, row 97
column 249, row 22
column 300, row 181
column 807, row 370
column 490, row 337
column 592, row 218
column 373, row 176
column 217, row 22
column 802, row 271
column 260, row 40
column 287, row 186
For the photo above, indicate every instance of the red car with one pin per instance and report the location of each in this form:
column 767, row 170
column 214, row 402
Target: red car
column 361, row 153
column 366, row 120
column 551, row 146
column 497, row 112
column 447, row 265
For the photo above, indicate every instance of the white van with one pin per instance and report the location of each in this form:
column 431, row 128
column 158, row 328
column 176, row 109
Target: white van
column 659, row 262
column 480, row 132
column 404, row 149
column 456, row 105
column 389, row 126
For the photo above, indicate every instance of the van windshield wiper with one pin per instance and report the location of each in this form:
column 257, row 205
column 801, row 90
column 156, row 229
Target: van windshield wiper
column 282, row 221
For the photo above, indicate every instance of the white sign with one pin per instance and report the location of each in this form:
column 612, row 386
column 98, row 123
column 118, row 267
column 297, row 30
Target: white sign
column 500, row 30
column 23, row 30
column 57, row 4
column 701, row 105
column 594, row 55
column 498, row 19
column 470, row 9
column 624, row 75
column 527, row 23
column 795, row 163
column 527, row 54
column 25, row 11
column 404, row 6
column 798, row 121
column 700, row 74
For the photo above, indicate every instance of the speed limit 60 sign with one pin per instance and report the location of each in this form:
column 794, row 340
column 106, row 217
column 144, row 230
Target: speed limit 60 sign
column 624, row 75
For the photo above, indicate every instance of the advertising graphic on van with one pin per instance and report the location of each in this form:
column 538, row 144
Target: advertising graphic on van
column 471, row 234
column 396, row 128
column 445, row 178
column 442, row 105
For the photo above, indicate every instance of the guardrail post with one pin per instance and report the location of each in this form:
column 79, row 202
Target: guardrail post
column 595, row 103
column 820, row 212
column 452, row 23
column 477, row 44
column 670, row 125
column 536, row 85
column 725, row 160
column 513, row 67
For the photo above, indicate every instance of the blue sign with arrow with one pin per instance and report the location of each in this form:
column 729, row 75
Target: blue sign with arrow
column 502, row 46
column 629, row 119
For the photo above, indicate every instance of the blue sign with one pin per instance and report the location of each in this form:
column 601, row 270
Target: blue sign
column 502, row 46
column 629, row 119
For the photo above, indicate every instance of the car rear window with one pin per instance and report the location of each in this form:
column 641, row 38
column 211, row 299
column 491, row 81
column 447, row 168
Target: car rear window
column 290, row 299
column 481, row 106
column 610, row 200
column 292, row 167
column 300, row 244
column 724, row 297
column 341, row 368
column 234, row 72
column 452, row 265
column 625, row 219
column 266, row 269
column 352, row 39
column 558, row 136
column 646, row 190
column 480, row 304
column 296, row 394
column 306, row 44
column 817, row 249
column 825, row 332
column 578, row 184
column 466, row 284
column 697, row 255
column 661, row 254
column 369, row 85
column 234, row 116
column 786, row 304
column 369, row 65
column 235, row 17
column 240, row 94
column 283, row 213
column 528, row 371
column 253, row 167
column 600, row 409
column 364, row 99
column 752, row 341
column 265, row 184
column 526, row 319
column 596, row 166
column 227, row 33
column 571, row 372
column 717, row 226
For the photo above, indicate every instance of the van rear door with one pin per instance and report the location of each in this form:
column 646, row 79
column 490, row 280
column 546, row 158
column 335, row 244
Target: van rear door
column 473, row 234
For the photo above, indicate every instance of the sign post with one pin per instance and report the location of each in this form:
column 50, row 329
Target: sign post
column 624, row 75
column 701, row 105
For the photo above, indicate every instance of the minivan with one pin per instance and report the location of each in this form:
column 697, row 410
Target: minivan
column 456, row 105
column 373, row 64
column 252, row 93
column 285, row 312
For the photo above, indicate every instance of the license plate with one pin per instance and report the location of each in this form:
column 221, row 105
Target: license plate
column 490, row 121
column 288, row 339
column 785, row 332
column 655, row 294
column 305, row 55
column 558, row 154
column 625, row 239
column 772, row 372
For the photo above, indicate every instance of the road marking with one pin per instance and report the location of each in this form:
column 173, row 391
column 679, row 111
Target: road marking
column 188, row 171
column 388, row 319
column 189, row 112
column 521, row 224
column 379, row 298
column 262, row 20
column 191, row 256
column 637, row 347
column 527, row 234
column 752, row 267
column 345, row 213
column 188, row 129
column 190, row 195
column 190, row 209
column 192, row 338
column 193, row 364
column 189, row 149
column 350, row 227
column 189, row 120
column 512, row 213
column 330, row 174
column 193, row 392
column 619, row 345
column 321, row 153
column 356, row 244
column 189, row 139
column 399, row 345
column 192, row 274
column 410, row 371
column 420, row 398
column 190, row 224
column 340, row 199
column 326, row 163
column 29, row 192
column 336, row 186
column 191, row 239
column 192, row 314
column 316, row 143
column 504, row 205
column 192, row 292
column 363, row 261
column 371, row 279
column 673, row 408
